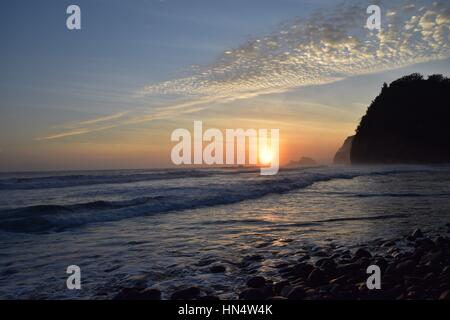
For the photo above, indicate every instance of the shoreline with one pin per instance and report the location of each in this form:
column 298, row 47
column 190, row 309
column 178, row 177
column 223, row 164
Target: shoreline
column 413, row 267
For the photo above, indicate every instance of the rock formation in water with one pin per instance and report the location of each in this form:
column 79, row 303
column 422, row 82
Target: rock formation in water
column 342, row 156
column 303, row 162
column 408, row 122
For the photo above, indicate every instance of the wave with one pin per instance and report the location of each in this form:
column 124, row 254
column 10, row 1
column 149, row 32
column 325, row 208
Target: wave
column 50, row 218
column 75, row 180
column 40, row 218
column 88, row 206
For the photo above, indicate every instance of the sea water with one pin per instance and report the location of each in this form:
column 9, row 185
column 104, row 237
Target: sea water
column 166, row 228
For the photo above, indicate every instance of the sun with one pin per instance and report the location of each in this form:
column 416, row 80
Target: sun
column 265, row 156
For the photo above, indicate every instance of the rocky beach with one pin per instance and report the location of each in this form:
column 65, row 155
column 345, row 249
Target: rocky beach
column 413, row 267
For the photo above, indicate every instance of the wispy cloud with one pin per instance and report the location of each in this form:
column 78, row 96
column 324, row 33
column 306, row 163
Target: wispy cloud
column 82, row 127
column 325, row 47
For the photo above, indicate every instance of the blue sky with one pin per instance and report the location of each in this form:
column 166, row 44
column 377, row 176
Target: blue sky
column 75, row 99
column 123, row 45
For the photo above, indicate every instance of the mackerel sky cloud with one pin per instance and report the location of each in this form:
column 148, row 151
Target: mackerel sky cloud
column 329, row 45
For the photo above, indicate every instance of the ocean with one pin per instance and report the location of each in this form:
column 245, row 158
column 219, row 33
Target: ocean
column 166, row 228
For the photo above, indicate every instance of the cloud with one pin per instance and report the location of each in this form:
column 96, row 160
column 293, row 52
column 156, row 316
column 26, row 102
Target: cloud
column 326, row 46
column 82, row 127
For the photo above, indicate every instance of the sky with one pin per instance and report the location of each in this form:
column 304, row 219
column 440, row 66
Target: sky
column 109, row 95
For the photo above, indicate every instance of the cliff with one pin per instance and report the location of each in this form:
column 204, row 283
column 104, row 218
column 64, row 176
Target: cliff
column 408, row 122
column 343, row 154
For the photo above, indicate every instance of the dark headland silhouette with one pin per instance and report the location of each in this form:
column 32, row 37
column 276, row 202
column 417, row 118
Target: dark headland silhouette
column 343, row 154
column 408, row 122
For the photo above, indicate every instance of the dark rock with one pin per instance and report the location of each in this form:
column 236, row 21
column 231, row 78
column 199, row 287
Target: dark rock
column 320, row 254
column 433, row 266
column 255, row 294
column 406, row 266
column 328, row 265
column 362, row 253
column 281, row 265
column 342, row 156
column 416, row 234
column 446, row 271
column 445, row 295
column 335, row 256
column 256, row 282
column 339, row 280
column 128, row 294
column 297, row 293
column 349, row 268
column 335, row 288
column 298, row 283
column 428, row 277
column 286, row 290
column 398, row 255
column 304, row 258
column 208, row 298
column 138, row 281
column 137, row 294
column 440, row 242
column 391, row 269
column 435, row 257
column 317, row 278
column 323, row 261
column 278, row 287
column 186, row 294
column 217, row 269
column 151, row 294
column 302, row 270
column 382, row 263
column 388, row 244
column 393, row 250
column 412, row 295
column 425, row 244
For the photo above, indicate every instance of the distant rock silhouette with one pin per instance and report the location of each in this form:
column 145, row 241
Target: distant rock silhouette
column 303, row 162
column 408, row 122
column 343, row 154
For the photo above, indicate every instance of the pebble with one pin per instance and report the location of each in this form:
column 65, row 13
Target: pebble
column 217, row 269
column 362, row 253
column 419, row 271
column 417, row 234
column 137, row 294
column 255, row 294
column 256, row 282
column 186, row 294
column 317, row 278
column 296, row 293
column 445, row 295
